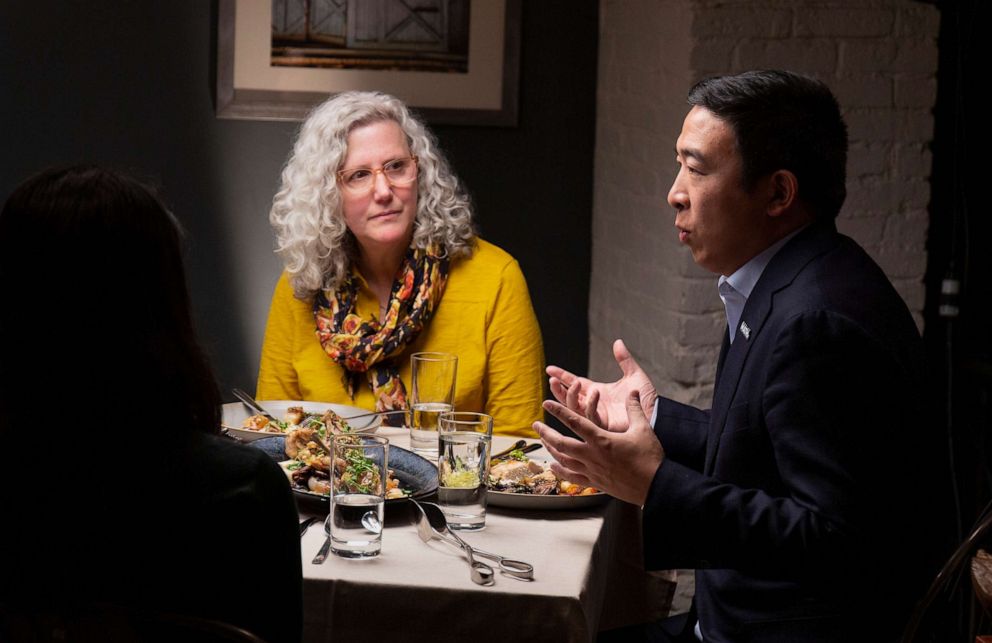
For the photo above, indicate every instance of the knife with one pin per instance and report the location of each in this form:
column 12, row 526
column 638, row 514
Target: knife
column 250, row 402
column 322, row 553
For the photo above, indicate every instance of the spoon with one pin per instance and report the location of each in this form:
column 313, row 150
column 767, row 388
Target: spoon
column 481, row 573
column 369, row 520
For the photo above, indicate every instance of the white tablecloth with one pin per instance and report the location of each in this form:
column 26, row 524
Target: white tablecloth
column 587, row 574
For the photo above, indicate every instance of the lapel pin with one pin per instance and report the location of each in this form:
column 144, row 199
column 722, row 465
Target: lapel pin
column 745, row 330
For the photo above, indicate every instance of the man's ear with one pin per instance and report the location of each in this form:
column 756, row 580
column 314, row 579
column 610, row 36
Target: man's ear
column 783, row 188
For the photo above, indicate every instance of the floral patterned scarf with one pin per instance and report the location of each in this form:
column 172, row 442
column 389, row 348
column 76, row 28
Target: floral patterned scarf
column 367, row 345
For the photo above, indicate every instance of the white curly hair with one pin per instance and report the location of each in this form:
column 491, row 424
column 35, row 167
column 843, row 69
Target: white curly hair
column 311, row 237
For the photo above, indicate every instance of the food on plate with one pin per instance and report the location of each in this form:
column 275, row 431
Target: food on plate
column 295, row 416
column 519, row 474
column 311, row 468
column 304, row 445
column 514, row 469
column 260, row 423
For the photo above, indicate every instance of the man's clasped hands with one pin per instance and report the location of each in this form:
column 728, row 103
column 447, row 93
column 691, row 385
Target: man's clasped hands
column 618, row 452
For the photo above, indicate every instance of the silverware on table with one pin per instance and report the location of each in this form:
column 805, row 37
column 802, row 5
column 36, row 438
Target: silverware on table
column 507, row 566
column 322, row 552
column 373, row 415
column 519, row 444
column 517, row 569
column 481, row 573
column 250, row 402
column 304, row 525
column 524, row 448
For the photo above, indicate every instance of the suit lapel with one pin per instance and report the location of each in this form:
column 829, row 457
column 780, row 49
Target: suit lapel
column 723, row 353
column 731, row 364
column 778, row 274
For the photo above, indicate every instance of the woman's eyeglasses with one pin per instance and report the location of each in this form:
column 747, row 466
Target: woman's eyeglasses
column 360, row 180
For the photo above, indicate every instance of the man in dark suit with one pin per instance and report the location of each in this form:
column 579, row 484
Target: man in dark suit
column 797, row 496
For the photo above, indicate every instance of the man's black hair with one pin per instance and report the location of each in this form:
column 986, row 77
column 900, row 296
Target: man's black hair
column 783, row 121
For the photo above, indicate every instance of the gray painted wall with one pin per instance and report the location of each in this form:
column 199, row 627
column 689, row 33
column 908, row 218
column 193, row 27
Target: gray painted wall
column 129, row 84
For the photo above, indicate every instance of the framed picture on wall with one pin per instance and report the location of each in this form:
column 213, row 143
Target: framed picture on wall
column 454, row 61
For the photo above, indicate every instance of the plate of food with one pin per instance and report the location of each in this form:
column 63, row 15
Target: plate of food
column 518, row 481
column 241, row 423
column 308, row 468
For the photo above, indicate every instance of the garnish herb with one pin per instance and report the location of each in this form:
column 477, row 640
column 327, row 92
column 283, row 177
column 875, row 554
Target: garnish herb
column 358, row 466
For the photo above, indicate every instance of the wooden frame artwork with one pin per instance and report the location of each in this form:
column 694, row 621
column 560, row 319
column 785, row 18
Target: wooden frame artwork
column 249, row 86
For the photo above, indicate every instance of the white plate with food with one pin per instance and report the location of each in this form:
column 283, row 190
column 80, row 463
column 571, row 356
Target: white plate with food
column 240, row 422
column 521, row 482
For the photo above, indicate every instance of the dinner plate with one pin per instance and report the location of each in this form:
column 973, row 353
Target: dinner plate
column 235, row 413
column 413, row 472
column 544, row 503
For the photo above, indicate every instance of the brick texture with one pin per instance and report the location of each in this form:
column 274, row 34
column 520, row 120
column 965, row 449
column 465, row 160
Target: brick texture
column 879, row 57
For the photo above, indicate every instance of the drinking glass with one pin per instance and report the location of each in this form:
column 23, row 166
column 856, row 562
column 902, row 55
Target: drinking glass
column 463, row 468
column 358, row 494
column 433, row 384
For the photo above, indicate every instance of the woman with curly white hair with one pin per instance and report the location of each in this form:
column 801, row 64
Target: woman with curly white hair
column 382, row 261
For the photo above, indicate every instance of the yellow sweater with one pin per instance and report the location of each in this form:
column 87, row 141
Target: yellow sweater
column 485, row 318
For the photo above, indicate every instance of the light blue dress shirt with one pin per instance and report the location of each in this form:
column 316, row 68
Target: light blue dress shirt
column 735, row 289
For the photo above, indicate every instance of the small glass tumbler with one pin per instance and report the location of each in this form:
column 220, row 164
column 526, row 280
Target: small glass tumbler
column 359, row 466
column 433, row 393
column 463, row 468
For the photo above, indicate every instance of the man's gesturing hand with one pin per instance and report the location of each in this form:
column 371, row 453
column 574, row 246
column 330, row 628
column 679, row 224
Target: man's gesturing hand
column 604, row 402
column 622, row 464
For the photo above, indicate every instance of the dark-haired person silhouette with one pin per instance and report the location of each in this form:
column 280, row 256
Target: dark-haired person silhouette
column 116, row 487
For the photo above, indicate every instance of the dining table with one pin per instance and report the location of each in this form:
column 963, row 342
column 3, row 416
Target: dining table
column 588, row 576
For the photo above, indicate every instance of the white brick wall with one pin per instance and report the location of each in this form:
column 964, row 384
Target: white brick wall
column 879, row 57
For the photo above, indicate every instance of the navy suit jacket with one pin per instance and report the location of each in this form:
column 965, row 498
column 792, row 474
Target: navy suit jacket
column 797, row 496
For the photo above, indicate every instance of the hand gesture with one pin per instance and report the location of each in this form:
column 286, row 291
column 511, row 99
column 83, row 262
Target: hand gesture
column 622, row 464
column 605, row 403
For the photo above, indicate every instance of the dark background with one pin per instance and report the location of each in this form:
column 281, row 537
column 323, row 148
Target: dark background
column 130, row 84
column 959, row 337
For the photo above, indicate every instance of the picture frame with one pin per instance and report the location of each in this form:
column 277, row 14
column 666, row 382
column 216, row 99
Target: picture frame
column 250, row 88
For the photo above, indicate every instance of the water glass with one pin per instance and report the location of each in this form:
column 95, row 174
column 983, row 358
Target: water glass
column 360, row 465
column 463, row 468
column 433, row 393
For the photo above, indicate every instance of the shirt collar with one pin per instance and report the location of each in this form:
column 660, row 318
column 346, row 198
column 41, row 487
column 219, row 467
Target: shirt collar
column 744, row 278
column 735, row 289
